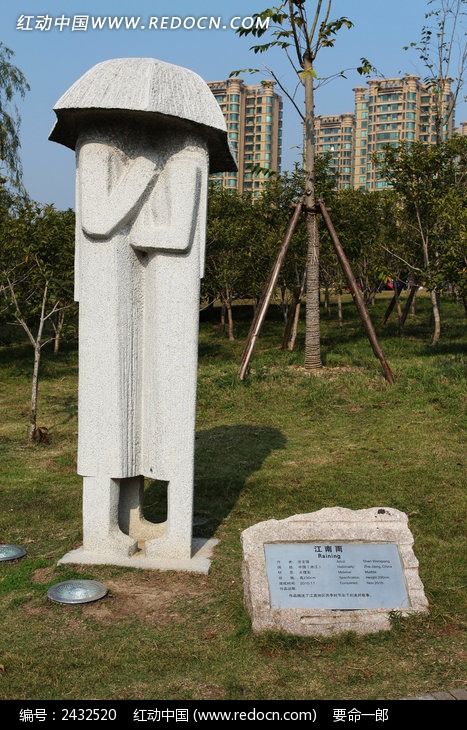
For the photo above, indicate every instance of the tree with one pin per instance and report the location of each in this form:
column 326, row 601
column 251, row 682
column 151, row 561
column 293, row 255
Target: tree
column 35, row 281
column 12, row 82
column 439, row 48
column 432, row 183
column 234, row 232
column 304, row 31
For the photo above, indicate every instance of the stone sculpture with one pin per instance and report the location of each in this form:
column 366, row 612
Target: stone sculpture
column 146, row 135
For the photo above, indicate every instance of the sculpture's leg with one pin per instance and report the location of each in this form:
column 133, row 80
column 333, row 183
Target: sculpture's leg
column 169, row 394
column 176, row 541
column 130, row 512
column 101, row 531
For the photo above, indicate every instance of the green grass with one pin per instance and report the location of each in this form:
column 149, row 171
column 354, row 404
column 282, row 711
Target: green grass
column 281, row 443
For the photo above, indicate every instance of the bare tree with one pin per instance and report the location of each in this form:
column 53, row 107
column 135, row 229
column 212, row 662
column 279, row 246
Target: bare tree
column 443, row 51
column 46, row 311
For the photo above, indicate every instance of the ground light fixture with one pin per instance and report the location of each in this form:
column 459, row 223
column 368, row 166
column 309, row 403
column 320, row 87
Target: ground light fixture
column 77, row 591
column 11, row 552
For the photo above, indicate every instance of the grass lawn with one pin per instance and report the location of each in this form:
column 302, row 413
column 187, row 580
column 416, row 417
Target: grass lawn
column 281, row 443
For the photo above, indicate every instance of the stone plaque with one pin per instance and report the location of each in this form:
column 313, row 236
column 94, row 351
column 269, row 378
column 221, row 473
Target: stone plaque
column 331, row 571
column 344, row 576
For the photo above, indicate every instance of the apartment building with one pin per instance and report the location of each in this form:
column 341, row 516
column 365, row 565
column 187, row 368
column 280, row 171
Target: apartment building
column 387, row 112
column 253, row 116
column 334, row 136
column 391, row 111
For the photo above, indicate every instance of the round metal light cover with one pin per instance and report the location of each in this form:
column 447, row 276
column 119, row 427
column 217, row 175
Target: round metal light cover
column 11, row 552
column 77, row 591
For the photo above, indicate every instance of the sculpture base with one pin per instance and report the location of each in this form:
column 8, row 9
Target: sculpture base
column 200, row 561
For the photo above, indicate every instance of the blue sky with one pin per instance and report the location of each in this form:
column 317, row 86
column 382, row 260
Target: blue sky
column 53, row 60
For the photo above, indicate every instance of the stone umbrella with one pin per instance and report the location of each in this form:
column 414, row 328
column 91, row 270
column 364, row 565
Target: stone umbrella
column 146, row 135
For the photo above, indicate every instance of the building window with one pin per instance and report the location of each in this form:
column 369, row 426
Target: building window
column 234, row 97
column 234, row 107
column 231, row 183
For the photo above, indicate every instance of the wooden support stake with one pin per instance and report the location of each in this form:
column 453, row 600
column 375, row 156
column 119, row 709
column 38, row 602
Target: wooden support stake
column 263, row 303
column 389, row 309
column 408, row 304
column 356, row 294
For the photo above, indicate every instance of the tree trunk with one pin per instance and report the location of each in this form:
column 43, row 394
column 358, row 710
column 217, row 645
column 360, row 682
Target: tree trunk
column 230, row 322
column 294, row 329
column 312, row 338
column 290, row 329
column 34, row 392
column 284, row 306
column 398, row 303
column 223, row 317
column 327, row 301
column 436, row 317
column 339, row 308
column 35, row 372
column 58, row 331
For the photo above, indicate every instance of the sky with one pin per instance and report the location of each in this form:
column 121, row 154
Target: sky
column 52, row 60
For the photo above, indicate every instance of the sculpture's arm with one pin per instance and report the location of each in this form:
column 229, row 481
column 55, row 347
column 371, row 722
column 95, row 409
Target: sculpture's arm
column 182, row 180
column 104, row 211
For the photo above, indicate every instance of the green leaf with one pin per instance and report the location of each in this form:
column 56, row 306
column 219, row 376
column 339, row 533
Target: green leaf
column 239, row 71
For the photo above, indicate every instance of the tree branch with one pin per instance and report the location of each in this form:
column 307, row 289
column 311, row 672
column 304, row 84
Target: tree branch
column 295, row 35
column 314, row 24
column 18, row 314
column 285, row 91
column 415, row 268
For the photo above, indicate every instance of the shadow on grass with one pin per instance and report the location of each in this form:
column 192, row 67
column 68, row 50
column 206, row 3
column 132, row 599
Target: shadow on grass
column 226, row 456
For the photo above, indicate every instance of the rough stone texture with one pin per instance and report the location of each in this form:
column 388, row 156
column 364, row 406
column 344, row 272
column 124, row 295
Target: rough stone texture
column 141, row 198
column 378, row 524
column 146, row 91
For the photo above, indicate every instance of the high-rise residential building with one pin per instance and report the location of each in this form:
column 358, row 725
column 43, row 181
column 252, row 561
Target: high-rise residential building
column 254, row 124
column 334, row 136
column 391, row 111
column 462, row 129
column 387, row 112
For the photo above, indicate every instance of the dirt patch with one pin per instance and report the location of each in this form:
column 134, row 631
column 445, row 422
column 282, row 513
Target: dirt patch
column 149, row 597
column 42, row 575
column 329, row 372
column 37, row 610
